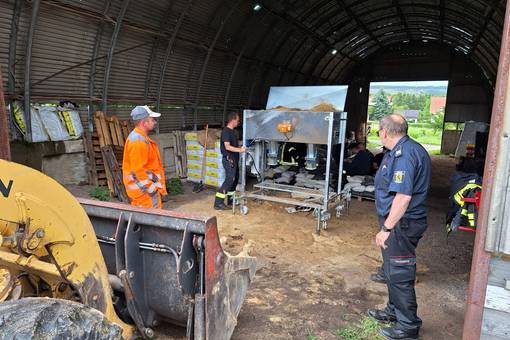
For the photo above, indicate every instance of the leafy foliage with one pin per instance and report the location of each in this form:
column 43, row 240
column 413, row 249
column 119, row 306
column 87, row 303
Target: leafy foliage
column 381, row 105
column 174, row 187
column 100, row 193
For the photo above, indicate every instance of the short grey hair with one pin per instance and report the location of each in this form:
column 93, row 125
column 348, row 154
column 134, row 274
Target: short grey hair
column 394, row 124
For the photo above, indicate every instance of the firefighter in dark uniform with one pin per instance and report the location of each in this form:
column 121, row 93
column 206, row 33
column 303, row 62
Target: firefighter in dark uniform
column 401, row 187
column 230, row 150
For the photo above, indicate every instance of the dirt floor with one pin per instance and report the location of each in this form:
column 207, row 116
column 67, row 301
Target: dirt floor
column 313, row 285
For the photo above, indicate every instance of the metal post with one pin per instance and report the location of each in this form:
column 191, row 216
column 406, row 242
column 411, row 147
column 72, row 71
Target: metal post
column 5, row 149
column 473, row 316
column 343, row 127
column 229, row 86
column 28, row 61
column 113, row 42
column 13, row 39
column 243, row 157
column 169, row 48
column 92, row 73
column 328, row 161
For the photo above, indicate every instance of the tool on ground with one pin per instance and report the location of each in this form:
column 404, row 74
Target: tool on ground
column 197, row 187
column 107, row 270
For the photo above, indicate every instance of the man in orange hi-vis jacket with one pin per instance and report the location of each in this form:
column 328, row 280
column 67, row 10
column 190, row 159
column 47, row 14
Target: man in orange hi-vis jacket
column 142, row 168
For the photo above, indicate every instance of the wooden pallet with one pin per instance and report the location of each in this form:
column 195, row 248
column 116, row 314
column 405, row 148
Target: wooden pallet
column 96, row 171
column 110, row 131
column 113, row 155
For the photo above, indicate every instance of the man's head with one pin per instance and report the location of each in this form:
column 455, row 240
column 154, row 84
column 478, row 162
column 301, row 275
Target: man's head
column 233, row 120
column 354, row 148
column 144, row 118
column 391, row 129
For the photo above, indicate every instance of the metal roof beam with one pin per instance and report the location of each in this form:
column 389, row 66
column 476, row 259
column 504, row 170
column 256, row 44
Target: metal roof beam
column 13, row 40
column 292, row 21
column 489, row 12
column 442, row 10
column 92, row 72
column 358, row 21
column 402, row 17
column 206, row 62
column 109, row 60
column 168, row 51
column 28, row 69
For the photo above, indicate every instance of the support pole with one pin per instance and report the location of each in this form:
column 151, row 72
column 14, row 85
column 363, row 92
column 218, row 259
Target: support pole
column 473, row 316
column 206, row 63
column 28, row 66
column 5, row 148
column 113, row 43
column 168, row 51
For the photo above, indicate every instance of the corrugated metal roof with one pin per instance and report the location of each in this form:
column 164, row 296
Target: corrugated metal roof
column 284, row 43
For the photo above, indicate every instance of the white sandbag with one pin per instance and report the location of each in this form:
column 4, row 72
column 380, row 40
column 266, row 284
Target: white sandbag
column 38, row 131
column 52, row 123
column 355, row 179
column 370, row 188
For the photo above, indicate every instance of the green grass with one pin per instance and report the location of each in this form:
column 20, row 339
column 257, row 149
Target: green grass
column 435, row 152
column 311, row 337
column 423, row 135
column 366, row 329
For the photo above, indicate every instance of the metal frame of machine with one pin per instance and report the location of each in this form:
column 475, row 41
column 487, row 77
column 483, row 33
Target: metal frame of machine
column 262, row 129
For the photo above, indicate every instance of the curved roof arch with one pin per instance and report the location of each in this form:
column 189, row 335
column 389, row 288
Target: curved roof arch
column 199, row 59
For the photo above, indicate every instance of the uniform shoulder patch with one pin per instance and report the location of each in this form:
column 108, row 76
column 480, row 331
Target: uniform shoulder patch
column 398, row 176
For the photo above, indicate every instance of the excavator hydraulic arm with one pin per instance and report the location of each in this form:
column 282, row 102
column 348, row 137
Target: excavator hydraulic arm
column 139, row 267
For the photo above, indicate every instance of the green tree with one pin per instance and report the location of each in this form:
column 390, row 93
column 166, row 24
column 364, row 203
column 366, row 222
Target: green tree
column 381, row 105
column 425, row 110
column 437, row 122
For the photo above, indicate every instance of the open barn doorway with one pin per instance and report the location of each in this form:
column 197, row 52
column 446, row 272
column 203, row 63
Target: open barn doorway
column 422, row 103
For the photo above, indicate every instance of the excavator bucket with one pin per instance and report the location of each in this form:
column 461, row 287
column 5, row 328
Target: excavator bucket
column 138, row 267
column 171, row 268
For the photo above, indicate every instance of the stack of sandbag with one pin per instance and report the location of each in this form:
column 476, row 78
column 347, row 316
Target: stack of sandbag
column 360, row 186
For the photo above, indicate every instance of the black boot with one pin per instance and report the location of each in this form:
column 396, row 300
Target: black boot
column 379, row 276
column 219, row 203
column 394, row 333
column 381, row 315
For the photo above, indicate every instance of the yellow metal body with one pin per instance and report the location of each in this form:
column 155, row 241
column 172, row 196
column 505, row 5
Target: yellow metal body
column 46, row 235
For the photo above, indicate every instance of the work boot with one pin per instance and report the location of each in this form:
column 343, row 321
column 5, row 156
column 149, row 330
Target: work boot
column 381, row 315
column 394, row 333
column 379, row 276
column 221, row 206
column 219, row 202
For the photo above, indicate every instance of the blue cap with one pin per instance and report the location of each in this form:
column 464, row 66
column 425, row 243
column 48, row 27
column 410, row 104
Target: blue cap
column 141, row 112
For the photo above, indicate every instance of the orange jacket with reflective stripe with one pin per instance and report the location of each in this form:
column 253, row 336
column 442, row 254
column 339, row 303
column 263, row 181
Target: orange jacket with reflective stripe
column 142, row 167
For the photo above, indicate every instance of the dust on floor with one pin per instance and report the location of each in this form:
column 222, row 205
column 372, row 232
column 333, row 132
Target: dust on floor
column 313, row 285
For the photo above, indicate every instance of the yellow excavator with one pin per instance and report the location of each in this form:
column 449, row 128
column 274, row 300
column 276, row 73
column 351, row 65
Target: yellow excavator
column 83, row 269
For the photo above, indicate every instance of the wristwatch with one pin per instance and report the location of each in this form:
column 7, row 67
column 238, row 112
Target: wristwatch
column 386, row 230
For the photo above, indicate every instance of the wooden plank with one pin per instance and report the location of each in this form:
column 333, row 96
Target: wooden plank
column 125, row 129
column 109, row 152
column 111, row 131
column 89, row 152
column 104, row 139
column 118, row 131
column 498, row 298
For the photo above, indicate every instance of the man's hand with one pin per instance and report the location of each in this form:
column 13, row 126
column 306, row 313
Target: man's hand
column 242, row 149
column 381, row 238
